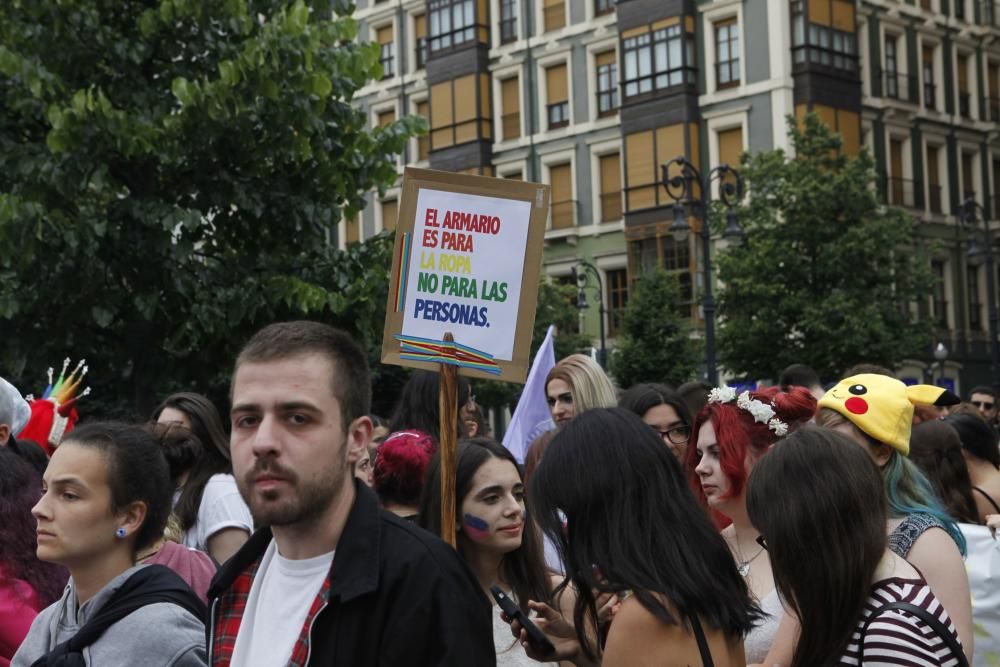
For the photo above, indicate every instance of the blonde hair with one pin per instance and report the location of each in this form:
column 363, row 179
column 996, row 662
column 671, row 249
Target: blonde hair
column 589, row 384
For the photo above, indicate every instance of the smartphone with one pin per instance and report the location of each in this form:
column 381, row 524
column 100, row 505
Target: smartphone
column 536, row 637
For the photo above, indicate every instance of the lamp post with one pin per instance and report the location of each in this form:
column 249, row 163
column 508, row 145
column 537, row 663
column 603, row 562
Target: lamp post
column 940, row 356
column 582, row 280
column 967, row 216
column 680, row 188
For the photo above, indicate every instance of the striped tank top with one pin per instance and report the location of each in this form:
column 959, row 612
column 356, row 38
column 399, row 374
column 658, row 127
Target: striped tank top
column 896, row 637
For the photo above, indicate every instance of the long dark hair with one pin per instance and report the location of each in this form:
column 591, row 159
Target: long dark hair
column 418, row 406
column 937, row 450
column 817, row 499
column 629, row 511
column 524, row 568
column 206, row 426
column 137, row 472
column 20, row 489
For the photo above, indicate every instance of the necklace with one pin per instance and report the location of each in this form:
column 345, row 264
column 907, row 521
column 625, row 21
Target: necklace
column 743, row 566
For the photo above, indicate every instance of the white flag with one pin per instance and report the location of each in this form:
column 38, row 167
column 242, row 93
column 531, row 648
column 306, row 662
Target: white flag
column 531, row 416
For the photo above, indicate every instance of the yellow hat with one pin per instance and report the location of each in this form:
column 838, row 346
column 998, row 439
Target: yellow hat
column 882, row 406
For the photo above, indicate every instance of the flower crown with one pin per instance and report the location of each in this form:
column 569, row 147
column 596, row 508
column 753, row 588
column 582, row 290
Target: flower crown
column 762, row 412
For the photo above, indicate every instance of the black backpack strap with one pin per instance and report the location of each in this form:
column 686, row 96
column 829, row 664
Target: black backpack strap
column 699, row 635
column 150, row 585
column 935, row 624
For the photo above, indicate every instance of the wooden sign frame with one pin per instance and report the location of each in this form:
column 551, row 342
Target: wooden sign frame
column 405, row 249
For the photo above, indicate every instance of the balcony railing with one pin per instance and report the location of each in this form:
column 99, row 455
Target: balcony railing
column 611, row 206
column 899, row 191
column 934, row 198
column 511, row 125
column 563, row 214
column 898, row 86
column 989, row 13
column 930, row 97
column 421, row 52
column 964, row 109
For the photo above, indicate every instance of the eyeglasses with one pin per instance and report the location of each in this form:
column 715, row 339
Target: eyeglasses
column 983, row 405
column 678, row 435
column 762, row 542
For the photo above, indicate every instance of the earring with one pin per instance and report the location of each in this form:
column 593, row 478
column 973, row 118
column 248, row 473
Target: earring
column 120, row 533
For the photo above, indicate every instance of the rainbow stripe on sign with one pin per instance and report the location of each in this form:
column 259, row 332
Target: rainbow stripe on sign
column 404, row 267
column 414, row 348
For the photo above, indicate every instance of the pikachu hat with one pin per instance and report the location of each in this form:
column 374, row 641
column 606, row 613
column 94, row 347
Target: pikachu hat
column 882, row 406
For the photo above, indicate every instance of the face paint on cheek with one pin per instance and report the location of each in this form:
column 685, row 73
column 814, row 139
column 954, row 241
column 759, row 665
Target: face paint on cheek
column 475, row 528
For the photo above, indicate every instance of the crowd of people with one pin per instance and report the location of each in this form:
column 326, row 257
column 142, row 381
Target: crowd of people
column 785, row 525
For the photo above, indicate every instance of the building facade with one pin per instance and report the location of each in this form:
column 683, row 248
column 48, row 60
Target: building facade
column 592, row 96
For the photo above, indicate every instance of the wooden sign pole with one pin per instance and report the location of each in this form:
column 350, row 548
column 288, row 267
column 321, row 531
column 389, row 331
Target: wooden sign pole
column 448, row 408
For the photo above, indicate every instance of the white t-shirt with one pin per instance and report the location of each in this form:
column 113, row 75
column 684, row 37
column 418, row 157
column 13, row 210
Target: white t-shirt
column 221, row 507
column 280, row 597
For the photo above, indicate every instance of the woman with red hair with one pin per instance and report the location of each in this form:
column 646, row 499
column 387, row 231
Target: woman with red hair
column 730, row 435
column 400, row 467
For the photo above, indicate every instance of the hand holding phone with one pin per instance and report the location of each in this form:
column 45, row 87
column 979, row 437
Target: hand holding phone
column 536, row 637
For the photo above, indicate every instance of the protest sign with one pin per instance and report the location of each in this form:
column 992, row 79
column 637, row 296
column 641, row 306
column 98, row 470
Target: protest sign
column 466, row 262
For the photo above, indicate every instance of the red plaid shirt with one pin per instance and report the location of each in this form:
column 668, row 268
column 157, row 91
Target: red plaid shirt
column 232, row 605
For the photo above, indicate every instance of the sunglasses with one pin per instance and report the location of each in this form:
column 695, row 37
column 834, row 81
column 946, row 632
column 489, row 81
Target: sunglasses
column 983, row 405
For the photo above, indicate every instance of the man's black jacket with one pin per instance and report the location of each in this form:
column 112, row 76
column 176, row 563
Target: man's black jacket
column 398, row 596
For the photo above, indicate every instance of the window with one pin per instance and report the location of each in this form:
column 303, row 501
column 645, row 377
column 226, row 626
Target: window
column 960, row 10
column 968, row 176
column 975, row 304
column 927, row 68
column 386, row 56
column 460, row 111
column 563, row 206
column 925, row 5
column 602, row 7
column 508, row 21
column 389, row 214
column 827, row 36
column 553, row 15
column 420, row 38
column 645, row 151
column 993, row 100
column 964, row 108
column 933, row 180
column 511, row 101
column 899, row 190
column 607, row 83
column 617, row 298
column 611, row 187
column 892, row 84
column 730, row 150
column 939, row 310
column 384, row 118
column 452, row 22
column 659, row 249
column 657, row 59
column 727, row 53
column 557, row 96
column 352, row 233
column 424, row 142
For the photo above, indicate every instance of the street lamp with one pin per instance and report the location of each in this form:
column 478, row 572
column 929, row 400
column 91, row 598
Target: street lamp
column 681, row 189
column 582, row 280
column 940, row 356
column 967, row 217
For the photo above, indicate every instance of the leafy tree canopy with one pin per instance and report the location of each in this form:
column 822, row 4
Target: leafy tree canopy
column 170, row 173
column 826, row 274
column 655, row 343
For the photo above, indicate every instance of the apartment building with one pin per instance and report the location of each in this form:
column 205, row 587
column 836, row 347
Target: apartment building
column 592, row 96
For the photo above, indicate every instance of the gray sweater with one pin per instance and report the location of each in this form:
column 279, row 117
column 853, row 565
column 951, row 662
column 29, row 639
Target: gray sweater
column 157, row 635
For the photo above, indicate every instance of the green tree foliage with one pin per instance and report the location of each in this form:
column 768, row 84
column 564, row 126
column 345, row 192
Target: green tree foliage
column 826, row 274
column 655, row 343
column 170, row 173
